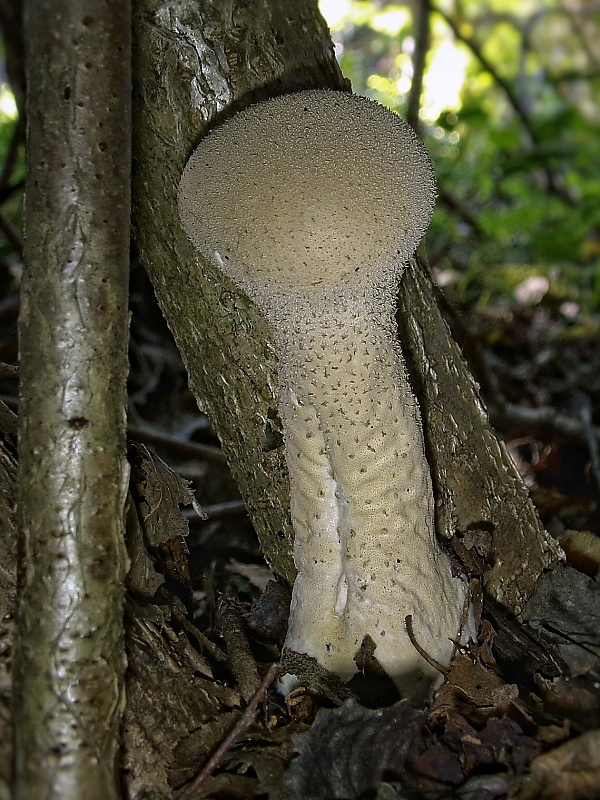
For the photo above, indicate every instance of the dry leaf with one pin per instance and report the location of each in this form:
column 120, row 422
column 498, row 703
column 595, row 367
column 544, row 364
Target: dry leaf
column 582, row 549
column 347, row 751
column 570, row 771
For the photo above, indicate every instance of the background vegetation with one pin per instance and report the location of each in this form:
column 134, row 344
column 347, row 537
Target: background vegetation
column 505, row 94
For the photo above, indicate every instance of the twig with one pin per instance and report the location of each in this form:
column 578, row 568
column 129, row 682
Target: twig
column 238, row 729
column 8, row 421
column 511, row 96
column 10, row 190
column 460, row 208
column 422, row 17
column 203, row 641
column 11, row 370
column 171, row 443
column 17, row 137
column 584, row 409
column 231, row 508
column 429, row 659
column 241, row 660
column 540, row 422
column 11, row 234
column 488, row 67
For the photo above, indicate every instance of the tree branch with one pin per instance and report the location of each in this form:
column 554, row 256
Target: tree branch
column 70, row 655
column 421, row 23
column 511, row 96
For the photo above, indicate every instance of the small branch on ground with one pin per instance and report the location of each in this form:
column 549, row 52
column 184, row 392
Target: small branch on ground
column 238, row 729
column 411, row 635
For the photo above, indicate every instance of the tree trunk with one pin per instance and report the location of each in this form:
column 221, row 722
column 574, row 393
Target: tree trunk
column 195, row 64
column 70, row 657
column 8, row 572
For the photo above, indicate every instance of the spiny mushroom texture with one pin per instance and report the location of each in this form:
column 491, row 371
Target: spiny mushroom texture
column 312, row 203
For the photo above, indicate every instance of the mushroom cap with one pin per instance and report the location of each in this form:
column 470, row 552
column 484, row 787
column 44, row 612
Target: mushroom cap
column 316, row 188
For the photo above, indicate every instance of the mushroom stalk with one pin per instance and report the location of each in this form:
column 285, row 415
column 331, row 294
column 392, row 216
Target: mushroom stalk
column 361, row 497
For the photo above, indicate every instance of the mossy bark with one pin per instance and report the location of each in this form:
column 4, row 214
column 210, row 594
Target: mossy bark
column 70, row 657
column 194, row 64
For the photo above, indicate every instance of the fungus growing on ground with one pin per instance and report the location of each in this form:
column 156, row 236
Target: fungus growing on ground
column 313, row 203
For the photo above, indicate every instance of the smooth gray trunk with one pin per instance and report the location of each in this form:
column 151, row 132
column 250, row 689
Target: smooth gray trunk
column 70, row 659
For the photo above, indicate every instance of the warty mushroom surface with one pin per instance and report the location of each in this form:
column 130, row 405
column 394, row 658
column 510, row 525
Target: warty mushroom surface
column 312, row 203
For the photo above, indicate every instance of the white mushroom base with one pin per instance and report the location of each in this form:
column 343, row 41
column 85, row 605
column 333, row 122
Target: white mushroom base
column 361, row 499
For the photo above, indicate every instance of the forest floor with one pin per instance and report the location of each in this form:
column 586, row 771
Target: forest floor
column 515, row 717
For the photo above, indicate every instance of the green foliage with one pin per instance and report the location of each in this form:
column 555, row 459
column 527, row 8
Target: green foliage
column 12, row 176
column 510, row 114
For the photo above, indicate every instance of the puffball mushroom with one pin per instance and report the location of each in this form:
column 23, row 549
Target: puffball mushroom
column 312, row 203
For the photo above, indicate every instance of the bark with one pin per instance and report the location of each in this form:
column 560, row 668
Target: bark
column 8, row 571
column 422, row 21
column 480, row 498
column 195, row 63
column 192, row 62
column 70, row 661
